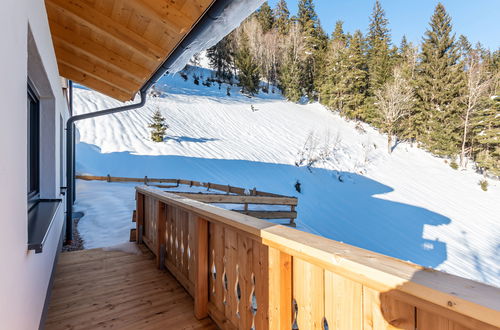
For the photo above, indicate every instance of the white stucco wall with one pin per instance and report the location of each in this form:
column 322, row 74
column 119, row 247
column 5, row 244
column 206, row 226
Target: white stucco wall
column 24, row 275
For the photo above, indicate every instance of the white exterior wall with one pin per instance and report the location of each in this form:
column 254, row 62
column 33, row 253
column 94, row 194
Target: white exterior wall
column 24, row 275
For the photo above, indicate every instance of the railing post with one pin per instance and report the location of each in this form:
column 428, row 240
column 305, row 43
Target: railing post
column 140, row 216
column 160, row 233
column 201, row 268
column 280, row 289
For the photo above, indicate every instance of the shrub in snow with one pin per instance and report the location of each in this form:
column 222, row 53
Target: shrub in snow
column 297, row 186
column 196, row 79
column 158, row 127
column 454, row 165
column 483, row 184
column 183, row 75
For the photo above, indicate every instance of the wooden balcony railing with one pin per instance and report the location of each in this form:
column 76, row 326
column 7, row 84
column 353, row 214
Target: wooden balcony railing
column 247, row 273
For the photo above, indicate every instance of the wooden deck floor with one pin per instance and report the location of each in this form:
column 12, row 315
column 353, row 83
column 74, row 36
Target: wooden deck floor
column 94, row 289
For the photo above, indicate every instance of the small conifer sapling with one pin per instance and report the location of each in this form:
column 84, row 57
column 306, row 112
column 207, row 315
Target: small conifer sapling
column 158, row 127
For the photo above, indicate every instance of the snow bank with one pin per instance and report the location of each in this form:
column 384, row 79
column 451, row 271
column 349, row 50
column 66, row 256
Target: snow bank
column 408, row 205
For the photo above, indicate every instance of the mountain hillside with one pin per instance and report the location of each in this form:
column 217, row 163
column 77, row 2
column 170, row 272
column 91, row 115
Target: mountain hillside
column 410, row 205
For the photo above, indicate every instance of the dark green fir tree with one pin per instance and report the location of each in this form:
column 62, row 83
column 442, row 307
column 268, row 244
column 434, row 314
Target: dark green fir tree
column 282, row 17
column 379, row 48
column 220, row 58
column 315, row 44
column 440, row 81
column 486, row 141
column 265, row 17
column 248, row 69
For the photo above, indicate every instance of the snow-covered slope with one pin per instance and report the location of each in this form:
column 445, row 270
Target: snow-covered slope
column 409, row 205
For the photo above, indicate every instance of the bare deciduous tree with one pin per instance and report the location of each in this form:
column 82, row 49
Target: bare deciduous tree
column 394, row 101
column 478, row 83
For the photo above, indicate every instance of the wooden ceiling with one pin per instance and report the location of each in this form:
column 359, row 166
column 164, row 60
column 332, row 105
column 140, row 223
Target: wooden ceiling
column 114, row 46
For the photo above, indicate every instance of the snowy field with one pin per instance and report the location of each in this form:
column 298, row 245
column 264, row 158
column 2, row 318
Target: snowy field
column 408, row 205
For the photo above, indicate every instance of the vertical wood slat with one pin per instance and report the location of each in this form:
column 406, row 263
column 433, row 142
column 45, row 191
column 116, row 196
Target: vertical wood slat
column 161, row 215
column 185, row 236
column 343, row 302
column 192, row 245
column 308, row 291
column 201, row 269
column 245, row 271
column 260, row 261
column 231, row 254
column 279, row 289
column 428, row 320
column 218, row 243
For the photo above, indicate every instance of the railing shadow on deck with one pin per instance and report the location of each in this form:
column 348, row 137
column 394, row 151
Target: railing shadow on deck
column 350, row 212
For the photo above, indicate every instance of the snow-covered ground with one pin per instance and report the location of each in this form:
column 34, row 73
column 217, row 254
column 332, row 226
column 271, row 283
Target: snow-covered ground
column 408, row 205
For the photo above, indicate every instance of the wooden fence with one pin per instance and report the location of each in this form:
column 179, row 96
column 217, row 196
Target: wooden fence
column 246, row 273
column 232, row 195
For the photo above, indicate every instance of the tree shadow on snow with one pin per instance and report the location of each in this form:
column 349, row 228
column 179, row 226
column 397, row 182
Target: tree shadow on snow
column 180, row 139
column 350, row 209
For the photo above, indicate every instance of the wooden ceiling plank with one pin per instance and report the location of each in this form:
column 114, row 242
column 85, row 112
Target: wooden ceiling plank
column 196, row 7
column 96, row 84
column 173, row 19
column 95, row 70
column 97, row 51
column 85, row 14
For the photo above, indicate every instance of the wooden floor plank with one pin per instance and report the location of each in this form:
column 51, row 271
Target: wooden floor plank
column 95, row 289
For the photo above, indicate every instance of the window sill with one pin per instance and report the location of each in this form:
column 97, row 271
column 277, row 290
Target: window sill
column 40, row 219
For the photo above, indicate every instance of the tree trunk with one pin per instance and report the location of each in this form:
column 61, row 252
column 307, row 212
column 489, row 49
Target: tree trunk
column 464, row 139
column 389, row 143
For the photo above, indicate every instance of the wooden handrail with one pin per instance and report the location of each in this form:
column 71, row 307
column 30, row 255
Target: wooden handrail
column 327, row 281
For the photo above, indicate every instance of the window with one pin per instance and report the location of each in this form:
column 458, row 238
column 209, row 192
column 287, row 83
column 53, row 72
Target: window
column 33, row 148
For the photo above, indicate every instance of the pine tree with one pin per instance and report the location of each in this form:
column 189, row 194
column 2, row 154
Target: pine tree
column 282, row 17
column 315, row 44
column 248, row 69
column 292, row 69
column 379, row 52
column 345, row 80
column 291, row 79
column 356, row 76
column 265, row 17
column 158, row 127
column 338, row 33
column 486, row 130
column 220, row 58
column 436, row 119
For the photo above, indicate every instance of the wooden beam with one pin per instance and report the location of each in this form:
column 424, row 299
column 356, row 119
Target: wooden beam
column 238, row 199
column 269, row 214
column 86, row 15
column 94, row 70
column 97, row 51
column 96, row 84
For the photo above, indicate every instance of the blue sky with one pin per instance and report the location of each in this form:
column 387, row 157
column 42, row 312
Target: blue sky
column 479, row 20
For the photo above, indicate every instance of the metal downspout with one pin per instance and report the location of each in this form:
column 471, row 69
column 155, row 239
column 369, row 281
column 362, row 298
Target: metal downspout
column 70, row 155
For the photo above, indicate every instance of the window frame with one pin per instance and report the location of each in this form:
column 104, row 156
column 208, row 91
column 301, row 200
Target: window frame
column 33, row 146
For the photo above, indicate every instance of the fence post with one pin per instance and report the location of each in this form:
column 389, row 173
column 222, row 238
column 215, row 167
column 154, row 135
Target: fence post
column 201, row 269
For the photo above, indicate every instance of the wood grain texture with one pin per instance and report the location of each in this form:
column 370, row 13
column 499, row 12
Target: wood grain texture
column 94, row 289
column 122, row 36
